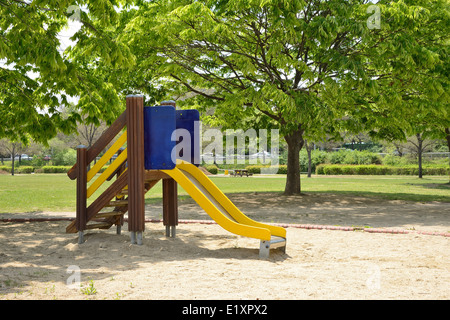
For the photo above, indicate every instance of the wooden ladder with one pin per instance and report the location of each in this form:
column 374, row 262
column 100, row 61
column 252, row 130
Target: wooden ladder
column 110, row 207
column 126, row 193
column 85, row 157
column 105, row 219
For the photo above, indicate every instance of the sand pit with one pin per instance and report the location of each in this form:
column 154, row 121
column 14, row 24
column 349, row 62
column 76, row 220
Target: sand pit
column 37, row 259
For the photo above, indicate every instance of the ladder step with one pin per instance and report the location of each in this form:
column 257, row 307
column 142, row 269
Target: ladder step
column 117, row 203
column 125, row 192
column 108, row 214
column 99, row 225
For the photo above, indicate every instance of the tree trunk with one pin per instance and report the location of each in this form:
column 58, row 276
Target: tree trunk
column 13, row 154
column 309, row 147
column 295, row 143
column 447, row 137
column 419, row 152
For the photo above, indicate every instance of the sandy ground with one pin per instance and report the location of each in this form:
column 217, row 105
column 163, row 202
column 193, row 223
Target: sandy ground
column 38, row 260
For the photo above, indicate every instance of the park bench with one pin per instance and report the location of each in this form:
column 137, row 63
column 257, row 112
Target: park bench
column 240, row 172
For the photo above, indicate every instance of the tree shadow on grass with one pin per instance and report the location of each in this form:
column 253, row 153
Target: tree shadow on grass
column 441, row 186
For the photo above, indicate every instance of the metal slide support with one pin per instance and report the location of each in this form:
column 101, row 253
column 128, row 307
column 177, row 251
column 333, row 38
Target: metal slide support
column 275, row 242
column 136, row 237
column 264, row 249
column 80, row 237
column 171, row 231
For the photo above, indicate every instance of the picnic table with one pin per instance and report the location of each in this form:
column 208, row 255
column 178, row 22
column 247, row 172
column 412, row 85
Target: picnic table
column 240, row 172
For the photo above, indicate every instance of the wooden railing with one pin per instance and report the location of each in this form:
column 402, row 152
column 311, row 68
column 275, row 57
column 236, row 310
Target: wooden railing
column 80, row 172
column 101, row 143
column 111, row 168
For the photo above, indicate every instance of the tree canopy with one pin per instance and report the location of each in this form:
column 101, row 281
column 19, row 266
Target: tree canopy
column 309, row 68
column 38, row 77
column 306, row 67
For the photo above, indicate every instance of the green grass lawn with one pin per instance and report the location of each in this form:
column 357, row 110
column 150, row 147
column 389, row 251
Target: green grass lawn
column 56, row 192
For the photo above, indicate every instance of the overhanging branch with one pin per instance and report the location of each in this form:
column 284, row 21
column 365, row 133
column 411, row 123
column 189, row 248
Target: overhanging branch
column 196, row 90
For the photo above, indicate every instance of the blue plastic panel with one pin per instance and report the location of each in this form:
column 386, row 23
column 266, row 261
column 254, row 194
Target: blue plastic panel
column 159, row 124
column 190, row 121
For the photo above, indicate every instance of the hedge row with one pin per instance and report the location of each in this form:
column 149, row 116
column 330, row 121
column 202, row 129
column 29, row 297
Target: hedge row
column 5, row 168
column 325, row 169
column 45, row 169
column 22, row 169
column 256, row 169
column 341, row 169
column 338, row 169
column 280, row 169
column 55, row 169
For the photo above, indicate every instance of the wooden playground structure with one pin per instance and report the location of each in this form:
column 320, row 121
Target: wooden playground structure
column 133, row 169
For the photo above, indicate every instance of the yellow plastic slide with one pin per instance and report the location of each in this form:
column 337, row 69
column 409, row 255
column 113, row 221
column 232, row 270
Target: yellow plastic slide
column 218, row 206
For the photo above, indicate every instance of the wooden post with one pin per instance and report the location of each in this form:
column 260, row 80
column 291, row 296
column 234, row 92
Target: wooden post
column 81, row 204
column 136, row 170
column 169, row 103
column 170, row 206
column 170, row 196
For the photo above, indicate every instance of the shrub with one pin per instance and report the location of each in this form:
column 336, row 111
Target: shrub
column 254, row 169
column 352, row 157
column 55, row 169
column 338, row 156
column 25, row 169
column 280, row 169
column 337, row 169
column 317, row 157
column 320, row 169
column 69, row 157
column 362, row 169
column 393, row 160
column 361, row 157
column 401, row 170
column 438, row 171
column 17, row 169
column 333, row 169
column 5, row 168
column 375, row 158
column 212, row 169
